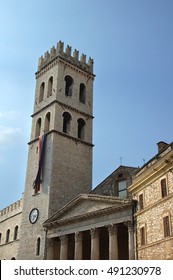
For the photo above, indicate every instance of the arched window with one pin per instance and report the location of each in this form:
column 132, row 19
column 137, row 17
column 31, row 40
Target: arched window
column 13, row 258
column 38, row 128
column 16, row 232
column 41, row 95
column 7, row 236
column 81, row 129
column 68, row 85
column 38, row 246
column 47, row 122
column 82, row 93
column 50, row 86
column 66, row 122
column 0, row 237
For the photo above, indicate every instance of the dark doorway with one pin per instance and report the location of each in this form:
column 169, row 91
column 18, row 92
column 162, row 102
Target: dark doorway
column 104, row 244
column 71, row 246
column 123, row 253
column 86, row 245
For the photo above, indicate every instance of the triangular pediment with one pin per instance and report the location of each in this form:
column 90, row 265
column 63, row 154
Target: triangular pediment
column 86, row 204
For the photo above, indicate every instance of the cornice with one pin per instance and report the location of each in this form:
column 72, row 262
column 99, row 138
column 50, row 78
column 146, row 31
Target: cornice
column 89, row 197
column 77, row 140
column 12, row 216
column 88, row 215
column 71, row 65
column 143, row 247
column 63, row 105
column 153, row 172
column 10, row 242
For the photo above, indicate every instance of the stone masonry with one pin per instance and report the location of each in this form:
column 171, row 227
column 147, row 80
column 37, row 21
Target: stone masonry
column 67, row 165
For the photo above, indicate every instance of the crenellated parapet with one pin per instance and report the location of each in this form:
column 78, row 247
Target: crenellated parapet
column 15, row 207
column 66, row 55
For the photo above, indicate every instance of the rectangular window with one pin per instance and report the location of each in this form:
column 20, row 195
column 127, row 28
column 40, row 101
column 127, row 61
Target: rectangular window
column 141, row 201
column 122, row 189
column 163, row 187
column 142, row 235
column 166, row 226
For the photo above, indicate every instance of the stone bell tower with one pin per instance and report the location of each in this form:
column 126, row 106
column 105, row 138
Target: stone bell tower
column 60, row 149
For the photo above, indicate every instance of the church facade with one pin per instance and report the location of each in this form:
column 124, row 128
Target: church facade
column 59, row 215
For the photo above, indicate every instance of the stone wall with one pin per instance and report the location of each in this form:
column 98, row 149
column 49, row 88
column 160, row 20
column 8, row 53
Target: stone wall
column 155, row 208
column 10, row 218
column 109, row 185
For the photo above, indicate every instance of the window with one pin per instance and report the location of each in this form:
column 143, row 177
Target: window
column 47, row 122
column 66, row 122
column 141, row 201
column 163, row 187
column 38, row 128
column 38, row 246
column 16, row 232
column 166, row 226
column 82, row 93
column 50, row 86
column 142, row 236
column 122, row 189
column 81, row 129
column 0, row 237
column 7, row 236
column 68, row 85
column 41, row 95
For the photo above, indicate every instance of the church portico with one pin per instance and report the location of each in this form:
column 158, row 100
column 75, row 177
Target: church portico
column 96, row 244
column 102, row 234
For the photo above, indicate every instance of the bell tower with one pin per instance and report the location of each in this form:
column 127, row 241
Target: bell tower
column 60, row 149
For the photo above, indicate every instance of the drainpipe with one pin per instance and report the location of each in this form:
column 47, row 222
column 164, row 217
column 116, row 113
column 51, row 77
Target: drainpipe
column 134, row 221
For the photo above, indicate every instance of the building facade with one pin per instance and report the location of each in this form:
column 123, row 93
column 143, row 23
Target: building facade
column 152, row 187
column 10, row 222
column 127, row 216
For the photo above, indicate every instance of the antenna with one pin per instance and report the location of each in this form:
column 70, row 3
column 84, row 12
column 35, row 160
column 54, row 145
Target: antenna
column 121, row 160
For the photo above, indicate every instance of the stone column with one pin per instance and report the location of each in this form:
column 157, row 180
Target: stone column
column 95, row 250
column 78, row 246
column 63, row 247
column 131, row 240
column 50, row 249
column 113, row 242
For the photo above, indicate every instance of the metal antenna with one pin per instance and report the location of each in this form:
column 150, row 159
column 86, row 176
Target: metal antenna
column 121, row 160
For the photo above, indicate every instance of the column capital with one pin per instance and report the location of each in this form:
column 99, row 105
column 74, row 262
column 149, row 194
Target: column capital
column 63, row 239
column 94, row 233
column 129, row 224
column 112, row 229
column 78, row 236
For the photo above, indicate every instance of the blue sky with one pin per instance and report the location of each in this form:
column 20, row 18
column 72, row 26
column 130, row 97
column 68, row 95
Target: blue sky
column 132, row 45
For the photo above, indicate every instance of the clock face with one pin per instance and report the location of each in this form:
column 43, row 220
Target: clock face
column 33, row 216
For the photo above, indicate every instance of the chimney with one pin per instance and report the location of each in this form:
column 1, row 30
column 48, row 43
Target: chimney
column 162, row 146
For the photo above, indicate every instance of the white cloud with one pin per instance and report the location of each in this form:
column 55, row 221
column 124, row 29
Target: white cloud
column 8, row 135
column 10, row 115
